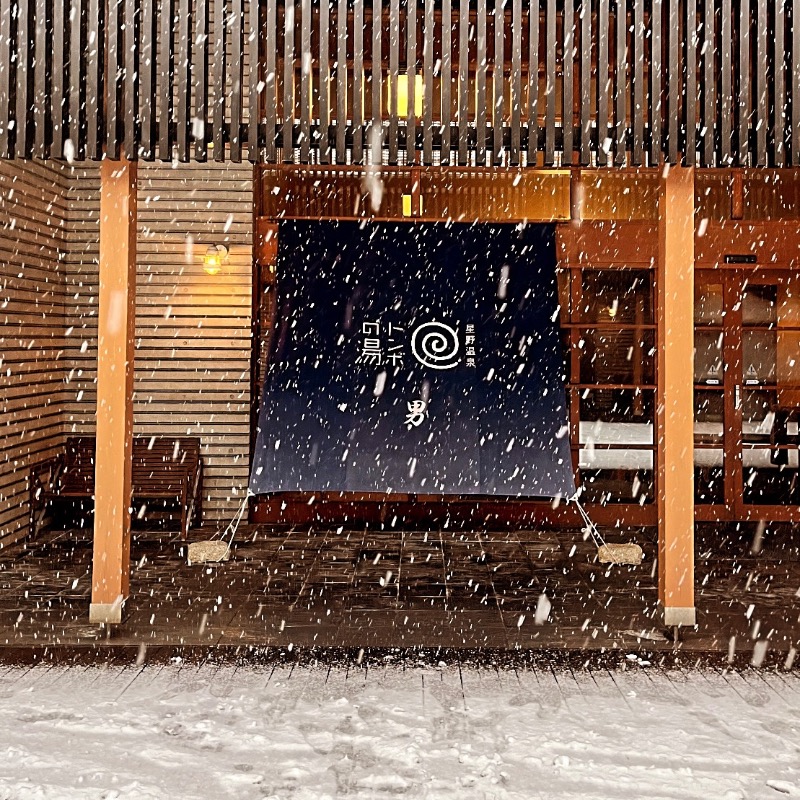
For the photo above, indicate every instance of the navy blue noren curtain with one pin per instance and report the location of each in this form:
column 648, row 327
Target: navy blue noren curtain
column 419, row 358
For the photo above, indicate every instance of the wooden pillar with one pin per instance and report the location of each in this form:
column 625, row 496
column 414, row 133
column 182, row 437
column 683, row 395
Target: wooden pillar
column 116, row 318
column 675, row 402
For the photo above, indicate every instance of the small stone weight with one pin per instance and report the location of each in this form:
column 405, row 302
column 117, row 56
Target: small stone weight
column 203, row 552
column 620, row 554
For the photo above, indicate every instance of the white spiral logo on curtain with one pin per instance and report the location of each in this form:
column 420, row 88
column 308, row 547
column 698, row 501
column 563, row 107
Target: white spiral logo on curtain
column 435, row 345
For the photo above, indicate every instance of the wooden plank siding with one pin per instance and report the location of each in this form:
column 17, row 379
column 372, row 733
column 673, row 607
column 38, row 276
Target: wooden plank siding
column 33, row 387
column 634, row 79
column 192, row 367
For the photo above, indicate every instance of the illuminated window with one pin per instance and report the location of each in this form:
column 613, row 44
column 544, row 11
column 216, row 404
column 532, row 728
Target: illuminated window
column 402, row 95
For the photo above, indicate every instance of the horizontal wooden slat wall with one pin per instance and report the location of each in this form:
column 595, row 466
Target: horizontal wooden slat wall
column 33, row 391
column 192, row 367
column 534, row 83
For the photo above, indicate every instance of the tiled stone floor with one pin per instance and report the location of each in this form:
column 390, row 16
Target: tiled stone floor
column 388, row 589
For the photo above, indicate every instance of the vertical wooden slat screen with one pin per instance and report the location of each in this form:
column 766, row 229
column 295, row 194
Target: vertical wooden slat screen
column 165, row 67
column 567, row 94
column 708, row 83
column 795, row 72
column 183, row 110
column 463, row 81
column 130, row 88
column 24, row 78
column 586, row 83
column 236, row 78
column 254, row 86
column 620, row 81
column 761, row 120
column 725, row 85
column 713, row 82
column 305, row 82
column 324, row 82
column 6, row 114
column 779, row 110
column 40, row 77
column 376, row 126
column 287, row 135
column 673, row 80
column 447, row 79
column 341, row 81
column 411, row 72
column 200, row 77
column 271, row 82
column 394, row 70
column 550, row 83
column 602, row 82
column 58, row 83
column 94, row 77
column 219, row 79
column 77, row 82
column 358, row 81
column 497, row 81
column 690, row 85
column 656, row 85
column 637, row 150
column 480, row 69
column 427, row 82
column 516, row 80
column 113, row 47
column 743, row 105
column 148, row 79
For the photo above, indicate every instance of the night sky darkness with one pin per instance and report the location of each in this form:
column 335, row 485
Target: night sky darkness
column 415, row 358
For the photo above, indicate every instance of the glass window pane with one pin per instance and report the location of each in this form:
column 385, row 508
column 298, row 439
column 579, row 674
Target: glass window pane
column 768, row 483
column 758, row 414
column 617, row 296
column 616, row 437
column 759, row 356
column 618, row 356
column 769, row 455
column 788, row 357
column 617, row 405
column 708, row 304
column 759, row 304
column 709, row 410
column 709, row 434
column 708, row 357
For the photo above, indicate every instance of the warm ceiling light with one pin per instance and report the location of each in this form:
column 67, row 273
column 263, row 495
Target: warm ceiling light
column 214, row 258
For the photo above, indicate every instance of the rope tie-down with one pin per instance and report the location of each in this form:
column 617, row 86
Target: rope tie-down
column 623, row 553
column 218, row 547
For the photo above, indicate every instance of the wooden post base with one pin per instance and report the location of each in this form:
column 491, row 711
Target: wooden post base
column 106, row 613
column 679, row 617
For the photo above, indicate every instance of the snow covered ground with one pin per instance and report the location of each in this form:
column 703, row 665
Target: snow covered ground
column 183, row 731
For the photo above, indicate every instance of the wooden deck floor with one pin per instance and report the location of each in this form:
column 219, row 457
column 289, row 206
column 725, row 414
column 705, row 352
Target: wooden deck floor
column 403, row 589
column 378, row 730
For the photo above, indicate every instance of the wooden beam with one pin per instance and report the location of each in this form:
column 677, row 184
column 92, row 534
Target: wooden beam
column 675, row 403
column 115, row 335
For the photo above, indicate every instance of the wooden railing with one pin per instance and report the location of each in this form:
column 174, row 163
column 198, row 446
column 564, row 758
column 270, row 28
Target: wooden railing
column 452, row 82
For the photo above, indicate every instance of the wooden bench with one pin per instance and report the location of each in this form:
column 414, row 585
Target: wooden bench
column 163, row 468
